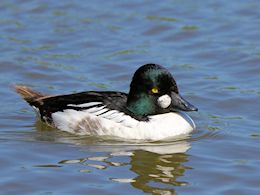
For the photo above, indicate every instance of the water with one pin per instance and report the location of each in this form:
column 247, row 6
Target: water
column 212, row 49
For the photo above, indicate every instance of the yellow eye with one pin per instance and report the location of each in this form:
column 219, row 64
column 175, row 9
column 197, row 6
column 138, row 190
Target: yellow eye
column 155, row 90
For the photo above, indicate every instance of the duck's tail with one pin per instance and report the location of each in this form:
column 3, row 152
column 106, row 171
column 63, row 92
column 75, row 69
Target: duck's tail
column 28, row 94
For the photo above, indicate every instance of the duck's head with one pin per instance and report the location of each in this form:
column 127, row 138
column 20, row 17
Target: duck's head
column 153, row 90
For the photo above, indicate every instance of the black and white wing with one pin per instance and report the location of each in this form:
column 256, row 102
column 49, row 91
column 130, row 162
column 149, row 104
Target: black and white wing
column 97, row 103
column 109, row 105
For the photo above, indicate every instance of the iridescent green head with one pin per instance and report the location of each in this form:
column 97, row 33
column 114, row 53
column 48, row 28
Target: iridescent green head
column 153, row 90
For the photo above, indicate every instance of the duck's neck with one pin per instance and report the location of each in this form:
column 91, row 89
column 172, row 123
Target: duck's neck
column 140, row 104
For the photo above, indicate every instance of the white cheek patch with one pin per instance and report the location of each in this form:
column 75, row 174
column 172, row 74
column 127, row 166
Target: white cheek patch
column 164, row 101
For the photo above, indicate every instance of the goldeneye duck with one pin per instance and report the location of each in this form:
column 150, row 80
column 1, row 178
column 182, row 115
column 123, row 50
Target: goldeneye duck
column 152, row 110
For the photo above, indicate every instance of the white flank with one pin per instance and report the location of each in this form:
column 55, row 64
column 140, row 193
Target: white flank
column 115, row 123
column 164, row 101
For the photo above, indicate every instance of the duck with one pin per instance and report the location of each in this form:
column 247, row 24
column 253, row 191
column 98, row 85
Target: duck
column 152, row 110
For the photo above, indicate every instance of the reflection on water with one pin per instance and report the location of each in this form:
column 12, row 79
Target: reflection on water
column 156, row 173
column 158, row 166
column 153, row 168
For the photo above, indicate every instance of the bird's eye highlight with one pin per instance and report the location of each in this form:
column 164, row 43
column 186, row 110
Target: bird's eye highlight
column 154, row 90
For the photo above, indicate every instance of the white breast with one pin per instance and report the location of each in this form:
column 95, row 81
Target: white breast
column 114, row 123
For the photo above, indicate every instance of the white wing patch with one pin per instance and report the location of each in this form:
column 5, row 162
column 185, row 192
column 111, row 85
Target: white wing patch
column 109, row 114
column 98, row 109
column 113, row 115
column 89, row 104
